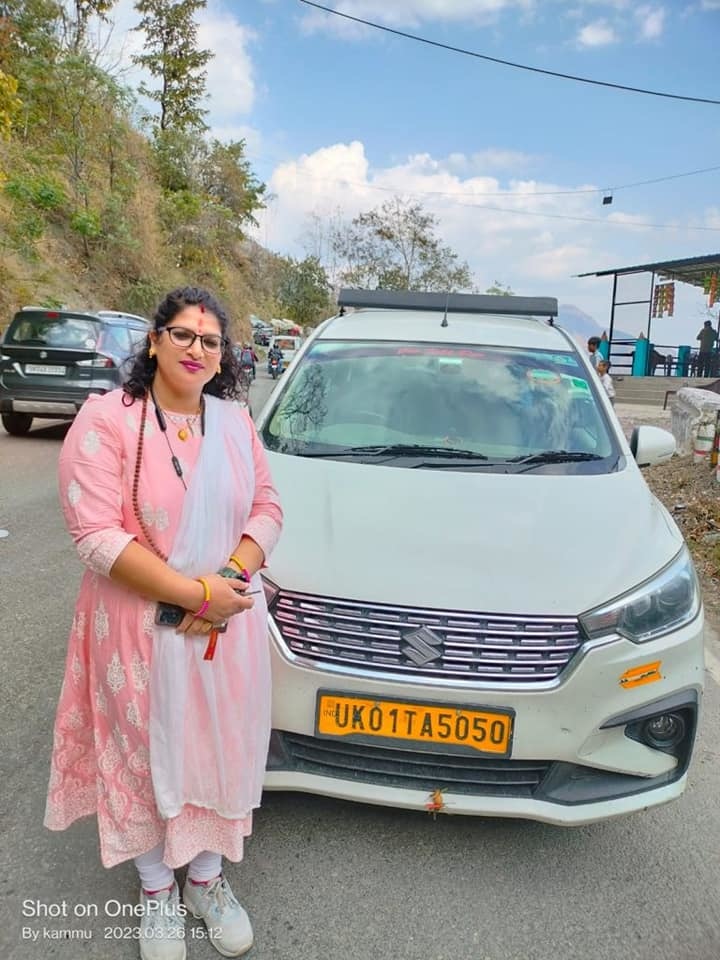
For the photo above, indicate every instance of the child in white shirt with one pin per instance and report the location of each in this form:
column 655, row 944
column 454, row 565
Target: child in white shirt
column 606, row 380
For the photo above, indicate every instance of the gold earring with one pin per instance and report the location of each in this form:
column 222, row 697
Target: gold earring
column 151, row 352
column 219, row 369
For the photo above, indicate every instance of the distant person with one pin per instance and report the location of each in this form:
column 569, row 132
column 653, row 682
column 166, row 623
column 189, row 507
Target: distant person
column 275, row 353
column 656, row 360
column 707, row 338
column 603, row 369
column 593, row 347
column 248, row 359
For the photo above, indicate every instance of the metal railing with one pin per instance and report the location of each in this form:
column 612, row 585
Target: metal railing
column 662, row 361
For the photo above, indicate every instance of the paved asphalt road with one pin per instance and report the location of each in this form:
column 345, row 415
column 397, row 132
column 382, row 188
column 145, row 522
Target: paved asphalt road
column 322, row 879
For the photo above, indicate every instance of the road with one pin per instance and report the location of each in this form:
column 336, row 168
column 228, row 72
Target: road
column 326, row 879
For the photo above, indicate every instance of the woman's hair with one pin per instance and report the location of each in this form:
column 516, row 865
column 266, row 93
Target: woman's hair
column 143, row 366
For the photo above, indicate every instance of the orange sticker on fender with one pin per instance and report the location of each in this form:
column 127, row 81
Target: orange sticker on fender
column 637, row 676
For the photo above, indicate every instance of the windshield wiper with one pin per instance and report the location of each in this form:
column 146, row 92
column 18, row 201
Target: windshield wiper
column 400, row 450
column 555, row 456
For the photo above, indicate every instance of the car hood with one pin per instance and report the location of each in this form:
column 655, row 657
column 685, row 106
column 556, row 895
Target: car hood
column 498, row 543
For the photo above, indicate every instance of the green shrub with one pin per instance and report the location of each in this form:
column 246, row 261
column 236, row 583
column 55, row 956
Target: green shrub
column 86, row 224
column 35, row 191
column 142, row 296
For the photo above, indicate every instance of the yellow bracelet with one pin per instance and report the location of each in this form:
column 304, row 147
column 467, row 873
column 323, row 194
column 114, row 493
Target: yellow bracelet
column 206, row 602
column 241, row 567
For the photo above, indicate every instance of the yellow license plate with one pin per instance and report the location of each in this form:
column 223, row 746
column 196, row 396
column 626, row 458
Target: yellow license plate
column 365, row 720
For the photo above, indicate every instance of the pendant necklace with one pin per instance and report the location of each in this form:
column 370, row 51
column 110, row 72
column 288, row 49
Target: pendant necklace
column 186, row 423
column 162, row 423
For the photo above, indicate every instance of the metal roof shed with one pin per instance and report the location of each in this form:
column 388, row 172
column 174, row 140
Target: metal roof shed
column 691, row 270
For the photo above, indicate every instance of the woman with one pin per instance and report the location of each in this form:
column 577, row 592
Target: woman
column 162, row 731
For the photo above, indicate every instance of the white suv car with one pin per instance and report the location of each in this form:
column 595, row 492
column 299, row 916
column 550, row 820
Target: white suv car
column 477, row 605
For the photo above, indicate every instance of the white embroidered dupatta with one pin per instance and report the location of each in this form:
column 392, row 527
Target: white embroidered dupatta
column 210, row 719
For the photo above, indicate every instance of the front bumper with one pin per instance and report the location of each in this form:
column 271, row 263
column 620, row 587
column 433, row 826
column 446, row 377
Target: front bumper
column 52, row 404
column 576, row 755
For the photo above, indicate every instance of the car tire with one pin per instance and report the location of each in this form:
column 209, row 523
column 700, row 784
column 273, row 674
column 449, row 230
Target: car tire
column 17, row 424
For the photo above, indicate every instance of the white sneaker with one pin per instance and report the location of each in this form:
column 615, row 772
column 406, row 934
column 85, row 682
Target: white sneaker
column 162, row 925
column 228, row 924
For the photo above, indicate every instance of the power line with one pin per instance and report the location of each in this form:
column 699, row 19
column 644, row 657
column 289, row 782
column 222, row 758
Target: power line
column 512, row 193
column 672, row 176
column 507, row 63
column 520, row 213
column 606, row 222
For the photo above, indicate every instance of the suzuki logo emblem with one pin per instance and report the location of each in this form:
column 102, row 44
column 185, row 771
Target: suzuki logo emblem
column 422, row 646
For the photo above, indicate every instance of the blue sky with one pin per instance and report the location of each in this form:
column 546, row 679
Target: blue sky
column 338, row 117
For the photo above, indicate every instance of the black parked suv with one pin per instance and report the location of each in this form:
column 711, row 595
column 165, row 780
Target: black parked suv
column 51, row 360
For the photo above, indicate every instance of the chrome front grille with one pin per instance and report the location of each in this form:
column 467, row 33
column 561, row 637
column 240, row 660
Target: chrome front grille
column 378, row 638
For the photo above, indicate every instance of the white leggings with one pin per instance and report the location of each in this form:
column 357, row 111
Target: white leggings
column 156, row 875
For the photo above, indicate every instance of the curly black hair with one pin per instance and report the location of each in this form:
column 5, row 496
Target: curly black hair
column 143, row 367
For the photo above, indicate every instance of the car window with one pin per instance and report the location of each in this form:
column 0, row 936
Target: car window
column 54, row 330
column 501, row 404
column 116, row 341
column 138, row 336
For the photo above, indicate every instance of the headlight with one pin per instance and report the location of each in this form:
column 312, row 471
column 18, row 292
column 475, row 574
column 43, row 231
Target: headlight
column 666, row 602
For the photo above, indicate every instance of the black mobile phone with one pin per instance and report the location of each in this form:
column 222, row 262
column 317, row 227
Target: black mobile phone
column 169, row 615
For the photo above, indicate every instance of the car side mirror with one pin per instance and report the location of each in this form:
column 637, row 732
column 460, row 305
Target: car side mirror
column 651, row 445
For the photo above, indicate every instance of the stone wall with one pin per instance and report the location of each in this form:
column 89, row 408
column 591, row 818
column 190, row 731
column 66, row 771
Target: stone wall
column 690, row 409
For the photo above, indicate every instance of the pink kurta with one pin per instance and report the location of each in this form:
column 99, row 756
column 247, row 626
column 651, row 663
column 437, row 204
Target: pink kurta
column 101, row 754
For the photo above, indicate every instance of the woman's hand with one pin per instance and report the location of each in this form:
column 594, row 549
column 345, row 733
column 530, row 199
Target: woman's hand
column 226, row 600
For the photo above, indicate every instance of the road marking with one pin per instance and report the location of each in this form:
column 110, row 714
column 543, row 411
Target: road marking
column 712, row 661
column 4, row 533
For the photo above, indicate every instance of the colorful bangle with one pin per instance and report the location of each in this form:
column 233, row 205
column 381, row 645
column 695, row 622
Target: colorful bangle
column 206, row 602
column 244, row 572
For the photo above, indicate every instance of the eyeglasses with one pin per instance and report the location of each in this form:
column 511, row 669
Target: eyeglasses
column 182, row 337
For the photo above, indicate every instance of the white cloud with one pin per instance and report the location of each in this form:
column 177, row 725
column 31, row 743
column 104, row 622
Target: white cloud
column 557, row 262
column 599, row 33
column 712, row 217
column 411, row 13
column 488, row 160
column 520, row 236
column 651, row 21
column 230, row 82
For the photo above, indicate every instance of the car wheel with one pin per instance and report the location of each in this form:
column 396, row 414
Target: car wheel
column 17, row 424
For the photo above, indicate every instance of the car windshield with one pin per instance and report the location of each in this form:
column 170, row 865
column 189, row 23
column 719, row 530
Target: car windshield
column 285, row 343
column 54, row 330
column 444, row 407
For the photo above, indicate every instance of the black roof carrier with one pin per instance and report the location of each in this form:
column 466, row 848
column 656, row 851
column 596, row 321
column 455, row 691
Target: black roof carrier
column 450, row 302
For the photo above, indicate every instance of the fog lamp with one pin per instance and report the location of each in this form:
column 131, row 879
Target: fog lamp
column 665, row 730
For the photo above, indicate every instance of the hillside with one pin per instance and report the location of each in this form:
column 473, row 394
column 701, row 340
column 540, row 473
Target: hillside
column 583, row 326
column 102, row 209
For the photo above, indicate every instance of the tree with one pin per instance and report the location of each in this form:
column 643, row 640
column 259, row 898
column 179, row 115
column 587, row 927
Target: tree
column 395, row 247
column 317, row 240
column 30, row 29
column 304, row 293
column 227, row 180
column 499, row 289
column 172, row 56
column 76, row 27
column 9, row 104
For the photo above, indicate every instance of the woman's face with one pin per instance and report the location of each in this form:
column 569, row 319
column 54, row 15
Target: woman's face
column 185, row 363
